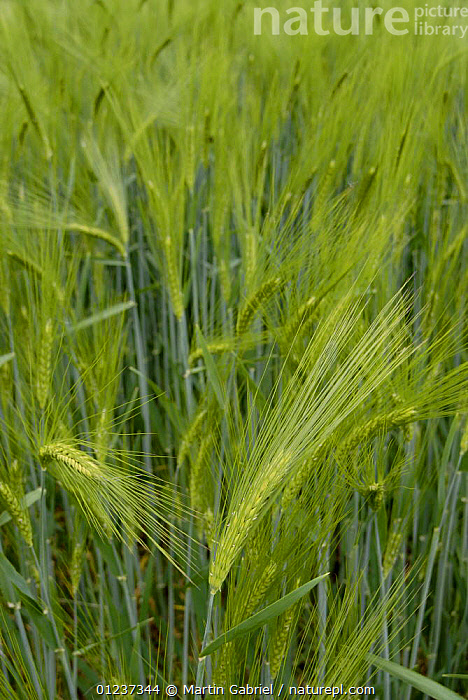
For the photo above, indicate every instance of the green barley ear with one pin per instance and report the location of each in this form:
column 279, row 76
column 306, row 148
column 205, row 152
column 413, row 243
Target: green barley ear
column 5, row 288
column 301, row 319
column 81, row 475
column 255, row 302
column 257, row 592
column 198, row 479
column 103, row 425
column 192, row 434
column 209, row 526
column 215, row 348
column 296, row 482
column 19, row 514
column 108, row 172
column 225, row 345
column 325, row 191
column 224, row 275
column 16, row 478
column 6, row 379
column 190, row 160
column 44, row 363
column 118, row 499
column 392, row 549
column 464, row 438
column 381, row 424
column 76, row 564
column 279, row 641
column 173, row 276
column 251, row 255
column 243, row 519
column 375, row 493
column 70, row 459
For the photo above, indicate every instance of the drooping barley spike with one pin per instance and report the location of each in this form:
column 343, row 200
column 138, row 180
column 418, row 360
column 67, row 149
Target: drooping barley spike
column 383, row 423
column 25, row 262
column 19, row 514
column 191, row 435
column 393, row 547
column 44, row 364
column 94, row 232
column 173, row 277
column 70, row 458
column 279, row 641
column 215, row 348
column 35, row 121
column 254, row 303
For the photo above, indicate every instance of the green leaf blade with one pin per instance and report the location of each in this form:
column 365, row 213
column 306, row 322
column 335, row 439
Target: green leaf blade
column 425, row 685
column 262, row 617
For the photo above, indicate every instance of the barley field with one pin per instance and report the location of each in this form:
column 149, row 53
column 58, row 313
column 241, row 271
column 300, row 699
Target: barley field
column 233, row 353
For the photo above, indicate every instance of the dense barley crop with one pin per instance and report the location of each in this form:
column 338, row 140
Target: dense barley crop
column 233, row 354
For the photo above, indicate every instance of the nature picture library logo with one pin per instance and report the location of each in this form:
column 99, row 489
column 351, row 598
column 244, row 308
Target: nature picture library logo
column 425, row 20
